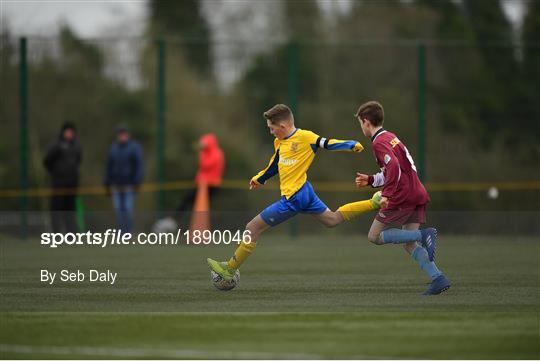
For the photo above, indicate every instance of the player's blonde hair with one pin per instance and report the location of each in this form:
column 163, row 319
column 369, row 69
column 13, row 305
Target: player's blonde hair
column 372, row 111
column 279, row 113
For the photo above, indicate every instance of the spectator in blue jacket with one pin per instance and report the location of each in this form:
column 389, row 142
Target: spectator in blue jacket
column 124, row 174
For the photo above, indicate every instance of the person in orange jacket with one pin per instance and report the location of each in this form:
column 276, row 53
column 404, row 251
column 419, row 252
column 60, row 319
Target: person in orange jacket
column 211, row 167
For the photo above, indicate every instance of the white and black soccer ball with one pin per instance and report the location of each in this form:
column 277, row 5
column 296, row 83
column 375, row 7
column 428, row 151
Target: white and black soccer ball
column 223, row 285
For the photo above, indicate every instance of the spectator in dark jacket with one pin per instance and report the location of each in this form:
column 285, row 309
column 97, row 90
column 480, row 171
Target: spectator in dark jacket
column 62, row 161
column 124, row 174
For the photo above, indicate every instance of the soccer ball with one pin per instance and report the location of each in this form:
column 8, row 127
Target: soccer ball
column 222, row 284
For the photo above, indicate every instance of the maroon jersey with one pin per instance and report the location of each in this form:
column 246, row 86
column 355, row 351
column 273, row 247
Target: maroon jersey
column 398, row 176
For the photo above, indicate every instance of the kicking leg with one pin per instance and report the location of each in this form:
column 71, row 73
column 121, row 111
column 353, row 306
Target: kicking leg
column 255, row 227
column 272, row 215
column 227, row 269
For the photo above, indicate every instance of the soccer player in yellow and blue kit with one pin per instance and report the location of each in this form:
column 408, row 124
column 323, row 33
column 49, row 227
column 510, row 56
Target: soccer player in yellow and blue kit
column 294, row 152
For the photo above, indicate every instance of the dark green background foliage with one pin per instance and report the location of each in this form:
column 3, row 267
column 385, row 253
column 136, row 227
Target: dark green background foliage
column 483, row 119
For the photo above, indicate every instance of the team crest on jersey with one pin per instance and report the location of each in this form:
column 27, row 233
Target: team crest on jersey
column 294, row 147
column 394, row 142
column 386, row 158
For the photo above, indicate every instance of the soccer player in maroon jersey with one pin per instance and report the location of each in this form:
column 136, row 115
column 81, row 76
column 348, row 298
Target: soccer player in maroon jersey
column 404, row 198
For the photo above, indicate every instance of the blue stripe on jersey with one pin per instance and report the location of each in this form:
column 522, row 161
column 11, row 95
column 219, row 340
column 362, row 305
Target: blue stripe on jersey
column 271, row 171
column 348, row 144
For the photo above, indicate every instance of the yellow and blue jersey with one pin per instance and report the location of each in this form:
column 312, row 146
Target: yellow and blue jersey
column 293, row 157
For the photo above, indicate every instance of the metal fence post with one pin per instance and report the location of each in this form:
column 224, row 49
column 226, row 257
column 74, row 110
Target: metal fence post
column 422, row 112
column 160, row 132
column 23, row 135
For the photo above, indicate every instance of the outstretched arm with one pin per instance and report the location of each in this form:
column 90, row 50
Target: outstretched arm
column 339, row 145
column 267, row 173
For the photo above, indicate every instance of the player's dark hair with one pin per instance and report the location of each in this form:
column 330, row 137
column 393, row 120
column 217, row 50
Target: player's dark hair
column 372, row 111
column 278, row 113
column 68, row 124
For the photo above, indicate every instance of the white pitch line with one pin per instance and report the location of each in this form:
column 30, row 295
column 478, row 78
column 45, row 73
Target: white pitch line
column 148, row 352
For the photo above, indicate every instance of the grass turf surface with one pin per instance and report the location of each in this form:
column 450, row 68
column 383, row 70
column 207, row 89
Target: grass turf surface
column 314, row 297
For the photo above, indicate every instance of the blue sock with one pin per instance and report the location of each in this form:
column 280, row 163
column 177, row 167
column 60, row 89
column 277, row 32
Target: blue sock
column 396, row 236
column 420, row 255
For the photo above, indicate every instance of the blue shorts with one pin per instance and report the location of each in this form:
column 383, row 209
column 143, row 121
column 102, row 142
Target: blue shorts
column 303, row 201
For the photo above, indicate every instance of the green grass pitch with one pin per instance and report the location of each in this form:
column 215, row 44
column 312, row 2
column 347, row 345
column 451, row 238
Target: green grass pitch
column 326, row 296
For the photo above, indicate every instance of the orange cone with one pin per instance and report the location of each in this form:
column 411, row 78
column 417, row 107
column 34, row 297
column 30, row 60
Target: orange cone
column 200, row 217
